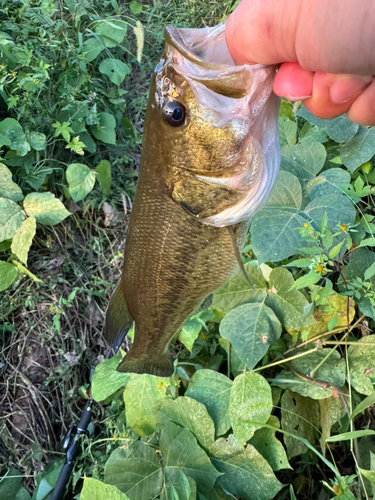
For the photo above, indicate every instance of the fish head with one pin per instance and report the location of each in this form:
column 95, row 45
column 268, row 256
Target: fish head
column 215, row 126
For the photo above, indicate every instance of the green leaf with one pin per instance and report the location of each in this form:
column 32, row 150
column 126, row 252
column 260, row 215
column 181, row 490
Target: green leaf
column 178, row 483
column 339, row 129
column 105, row 130
column 299, row 416
column 8, row 273
column 237, row 291
column 361, row 358
column 112, row 32
column 218, row 494
column 96, row 490
column 330, row 413
column 338, row 207
column 115, row 69
column 345, row 436
column 11, row 217
column 180, row 450
column 361, row 260
column 324, row 365
column 327, row 182
column 13, row 132
column 303, row 160
column 359, row 149
column 8, row 188
column 313, row 133
column 45, row 208
column 190, row 414
column 190, row 331
column 287, row 192
column 25, row 271
column 37, row 141
column 104, row 176
column 250, row 401
column 287, row 304
column 23, row 238
column 213, row 390
column 335, row 250
column 267, row 444
column 307, row 280
column 135, row 470
column 246, row 473
column 287, row 131
column 142, row 396
column 332, row 323
column 10, row 486
column 81, row 180
column 363, row 405
column 106, row 380
column 135, row 7
column 91, row 49
column 367, row 242
column 250, row 328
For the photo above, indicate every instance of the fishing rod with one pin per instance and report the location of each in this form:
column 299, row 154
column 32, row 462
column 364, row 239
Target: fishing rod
column 72, row 441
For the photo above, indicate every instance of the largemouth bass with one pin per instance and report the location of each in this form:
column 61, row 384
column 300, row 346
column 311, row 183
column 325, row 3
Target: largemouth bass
column 209, row 160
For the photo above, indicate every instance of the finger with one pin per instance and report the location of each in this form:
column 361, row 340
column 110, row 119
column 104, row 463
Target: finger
column 362, row 110
column 293, row 82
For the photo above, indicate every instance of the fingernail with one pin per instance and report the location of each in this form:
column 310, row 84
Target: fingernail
column 296, row 97
column 344, row 90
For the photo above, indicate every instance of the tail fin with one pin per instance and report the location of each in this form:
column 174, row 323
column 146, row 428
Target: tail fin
column 159, row 365
column 117, row 318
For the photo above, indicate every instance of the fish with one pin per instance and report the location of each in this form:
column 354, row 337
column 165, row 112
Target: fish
column 210, row 157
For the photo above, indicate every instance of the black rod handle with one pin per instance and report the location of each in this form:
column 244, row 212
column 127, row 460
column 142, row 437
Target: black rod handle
column 60, row 486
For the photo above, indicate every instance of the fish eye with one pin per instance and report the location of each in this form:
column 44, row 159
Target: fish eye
column 175, row 113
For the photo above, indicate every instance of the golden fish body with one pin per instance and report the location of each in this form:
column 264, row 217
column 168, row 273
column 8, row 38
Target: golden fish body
column 209, row 160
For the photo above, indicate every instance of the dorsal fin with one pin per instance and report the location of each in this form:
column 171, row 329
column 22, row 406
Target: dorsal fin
column 238, row 255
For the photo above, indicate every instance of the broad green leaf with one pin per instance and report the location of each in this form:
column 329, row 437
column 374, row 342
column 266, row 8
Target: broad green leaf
column 37, row 141
column 368, row 242
column 47, row 480
column 106, row 380
column 287, row 304
column 363, row 405
column 8, row 188
column 92, row 48
column 11, row 217
column 96, row 490
column 135, row 470
column 250, row 401
column 345, row 436
column 287, row 192
column 13, row 131
column 237, row 291
column 10, row 486
column 103, row 171
column 180, row 450
column 142, row 396
column 271, row 449
column 359, row 262
column 112, row 32
column 339, row 129
column 23, row 238
column 275, row 234
column 246, row 473
column 135, row 7
column 306, row 280
column 179, row 483
column 115, row 69
column 81, row 180
column 191, row 328
column 218, row 494
column 105, row 130
column 359, row 149
column 338, row 207
column 213, row 390
column 190, row 414
column 8, row 273
column 287, row 131
column 361, row 358
column 45, row 208
column 327, row 182
column 330, row 413
column 324, row 365
column 299, row 416
column 312, row 133
column 303, row 160
column 250, row 328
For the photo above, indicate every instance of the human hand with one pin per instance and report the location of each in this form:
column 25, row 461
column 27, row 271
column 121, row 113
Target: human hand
column 326, row 49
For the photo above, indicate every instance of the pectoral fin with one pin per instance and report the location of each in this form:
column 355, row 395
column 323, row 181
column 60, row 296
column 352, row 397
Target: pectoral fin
column 117, row 318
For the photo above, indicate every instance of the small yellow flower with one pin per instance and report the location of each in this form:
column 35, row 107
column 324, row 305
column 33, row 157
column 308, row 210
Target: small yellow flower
column 305, row 224
column 14, row 74
column 343, row 227
column 160, row 384
column 204, row 336
column 319, row 269
column 115, row 437
column 35, row 80
column 123, row 435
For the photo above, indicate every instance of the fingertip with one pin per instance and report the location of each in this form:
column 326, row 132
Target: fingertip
column 293, row 82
